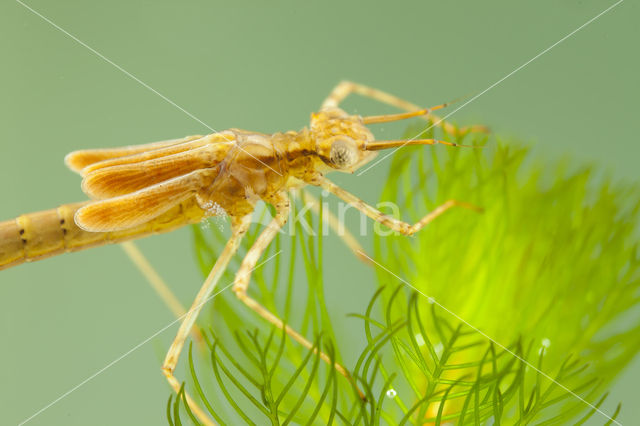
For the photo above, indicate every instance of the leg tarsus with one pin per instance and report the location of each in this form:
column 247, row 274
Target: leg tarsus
column 389, row 221
column 439, row 211
column 345, row 88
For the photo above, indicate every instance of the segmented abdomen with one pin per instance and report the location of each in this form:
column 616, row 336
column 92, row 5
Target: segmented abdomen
column 39, row 235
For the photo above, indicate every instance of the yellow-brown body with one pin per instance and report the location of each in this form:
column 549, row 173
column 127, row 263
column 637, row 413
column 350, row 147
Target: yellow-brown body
column 145, row 189
column 47, row 233
column 222, row 173
column 140, row 190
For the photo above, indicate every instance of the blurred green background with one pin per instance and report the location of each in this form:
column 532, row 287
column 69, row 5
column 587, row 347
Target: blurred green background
column 265, row 67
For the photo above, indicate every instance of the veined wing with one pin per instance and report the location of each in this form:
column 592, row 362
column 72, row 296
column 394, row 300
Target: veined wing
column 78, row 160
column 136, row 208
column 138, row 172
column 137, row 184
column 221, row 140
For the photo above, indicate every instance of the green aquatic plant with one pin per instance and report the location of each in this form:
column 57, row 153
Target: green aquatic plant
column 521, row 314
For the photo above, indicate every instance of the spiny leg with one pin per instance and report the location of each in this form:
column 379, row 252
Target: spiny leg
column 345, row 88
column 337, row 225
column 239, row 227
column 241, row 282
column 393, row 223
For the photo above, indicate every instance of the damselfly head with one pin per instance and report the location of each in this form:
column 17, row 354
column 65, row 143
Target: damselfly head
column 341, row 139
column 344, row 142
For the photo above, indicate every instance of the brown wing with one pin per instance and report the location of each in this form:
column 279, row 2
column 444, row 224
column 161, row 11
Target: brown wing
column 115, row 180
column 78, row 160
column 128, row 211
column 219, row 139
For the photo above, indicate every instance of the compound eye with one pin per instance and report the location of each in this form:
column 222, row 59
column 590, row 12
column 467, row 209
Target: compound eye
column 344, row 153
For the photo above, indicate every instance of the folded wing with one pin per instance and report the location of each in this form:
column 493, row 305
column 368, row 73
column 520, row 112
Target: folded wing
column 125, row 178
column 135, row 184
column 78, row 160
column 136, row 208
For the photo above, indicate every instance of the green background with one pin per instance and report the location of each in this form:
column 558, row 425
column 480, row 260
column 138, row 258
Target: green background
column 265, row 67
